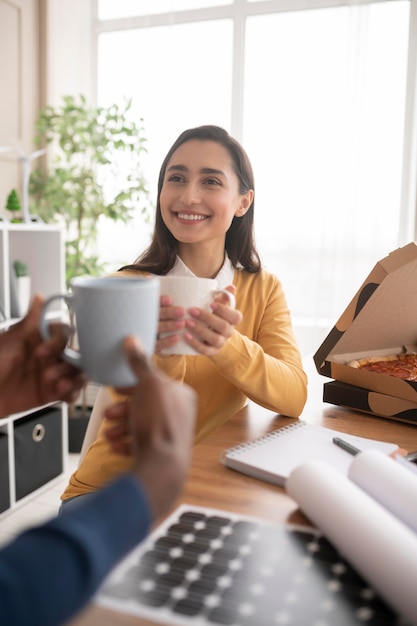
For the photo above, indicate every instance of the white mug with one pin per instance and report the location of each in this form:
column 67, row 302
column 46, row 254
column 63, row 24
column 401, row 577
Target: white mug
column 188, row 292
column 106, row 311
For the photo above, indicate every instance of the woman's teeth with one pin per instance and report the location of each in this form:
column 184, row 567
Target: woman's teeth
column 192, row 218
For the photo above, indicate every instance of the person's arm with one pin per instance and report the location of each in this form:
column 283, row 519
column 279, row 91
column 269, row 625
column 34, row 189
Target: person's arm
column 50, row 572
column 261, row 357
column 161, row 439
column 32, row 372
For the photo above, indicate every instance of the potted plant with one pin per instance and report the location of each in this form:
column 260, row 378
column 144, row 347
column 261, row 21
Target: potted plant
column 93, row 172
column 13, row 205
column 23, row 284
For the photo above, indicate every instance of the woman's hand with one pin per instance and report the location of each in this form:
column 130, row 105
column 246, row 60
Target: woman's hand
column 171, row 320
column 206, row 331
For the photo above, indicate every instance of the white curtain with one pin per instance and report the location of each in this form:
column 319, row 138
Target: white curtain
column 325, row 126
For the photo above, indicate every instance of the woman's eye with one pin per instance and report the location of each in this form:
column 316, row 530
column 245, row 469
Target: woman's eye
column 175, row 178
column 212, row 181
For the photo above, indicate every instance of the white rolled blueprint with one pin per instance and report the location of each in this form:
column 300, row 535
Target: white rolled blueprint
column 389, row 482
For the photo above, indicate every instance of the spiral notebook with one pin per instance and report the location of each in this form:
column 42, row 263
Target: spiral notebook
column 273, row 457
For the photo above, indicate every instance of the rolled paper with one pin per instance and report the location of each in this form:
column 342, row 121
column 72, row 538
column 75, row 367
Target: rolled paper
column 389, row 482
column 377, row 544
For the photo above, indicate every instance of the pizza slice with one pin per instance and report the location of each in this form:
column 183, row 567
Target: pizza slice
column 399, row 365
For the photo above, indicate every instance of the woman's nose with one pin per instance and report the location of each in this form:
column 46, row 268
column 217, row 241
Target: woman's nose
column 190, row 194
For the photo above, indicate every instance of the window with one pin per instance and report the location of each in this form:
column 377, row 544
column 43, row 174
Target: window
column 316, row 95
column 325, row 132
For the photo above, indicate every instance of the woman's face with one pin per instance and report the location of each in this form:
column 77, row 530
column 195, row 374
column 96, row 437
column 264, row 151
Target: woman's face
column 200, row 193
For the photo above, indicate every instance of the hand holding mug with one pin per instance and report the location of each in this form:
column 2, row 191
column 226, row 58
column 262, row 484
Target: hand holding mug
column 196, row 316
column 106, row 310
column 156, row 426
column 207, row 332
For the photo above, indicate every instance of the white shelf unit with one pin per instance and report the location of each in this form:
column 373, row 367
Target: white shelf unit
column 42, row 248
column 29, row 435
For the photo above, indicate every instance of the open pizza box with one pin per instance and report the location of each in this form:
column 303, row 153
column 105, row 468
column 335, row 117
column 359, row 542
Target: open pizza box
column 381, row 320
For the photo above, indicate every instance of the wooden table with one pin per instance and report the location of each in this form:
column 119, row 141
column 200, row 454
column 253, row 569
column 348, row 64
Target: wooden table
column 213, row 485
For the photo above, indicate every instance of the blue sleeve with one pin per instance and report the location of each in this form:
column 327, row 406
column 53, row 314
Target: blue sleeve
column 50, row 572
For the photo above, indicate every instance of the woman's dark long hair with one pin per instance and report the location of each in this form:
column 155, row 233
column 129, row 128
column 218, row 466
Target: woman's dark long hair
column 160, row 257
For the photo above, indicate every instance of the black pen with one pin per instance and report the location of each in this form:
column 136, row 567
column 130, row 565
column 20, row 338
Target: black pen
column 346, row 446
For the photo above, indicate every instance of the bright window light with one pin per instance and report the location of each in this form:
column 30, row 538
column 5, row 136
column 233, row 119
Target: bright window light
column 190, row 84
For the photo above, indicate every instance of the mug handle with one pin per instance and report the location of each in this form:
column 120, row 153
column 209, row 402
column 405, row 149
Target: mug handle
column 232, row 299
column 69, row 355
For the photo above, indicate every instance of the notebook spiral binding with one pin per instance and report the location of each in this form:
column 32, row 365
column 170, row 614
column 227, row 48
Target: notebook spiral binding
column 236, row 450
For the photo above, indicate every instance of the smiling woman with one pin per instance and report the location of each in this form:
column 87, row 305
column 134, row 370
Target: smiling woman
column 192, row 184
column 204, row 228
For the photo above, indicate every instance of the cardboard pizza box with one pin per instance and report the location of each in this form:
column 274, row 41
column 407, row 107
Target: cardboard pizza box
column 380, row 320
column 371, row 402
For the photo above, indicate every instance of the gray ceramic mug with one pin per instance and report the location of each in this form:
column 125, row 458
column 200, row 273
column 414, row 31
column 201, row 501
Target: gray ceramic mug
column 106, row 311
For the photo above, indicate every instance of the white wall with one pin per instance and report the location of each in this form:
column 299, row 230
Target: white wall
column 69, row 63
column 46, row 47
column 19, row 87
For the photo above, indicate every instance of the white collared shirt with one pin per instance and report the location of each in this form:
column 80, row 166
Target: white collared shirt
column 224, row 276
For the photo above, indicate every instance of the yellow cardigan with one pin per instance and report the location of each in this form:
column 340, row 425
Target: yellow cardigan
column 260, row 361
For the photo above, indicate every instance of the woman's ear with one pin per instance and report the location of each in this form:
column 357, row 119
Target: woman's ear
column 245, row 202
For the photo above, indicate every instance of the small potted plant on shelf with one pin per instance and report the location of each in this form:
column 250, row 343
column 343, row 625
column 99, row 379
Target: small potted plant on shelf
column 13, row 205
column 23, row 285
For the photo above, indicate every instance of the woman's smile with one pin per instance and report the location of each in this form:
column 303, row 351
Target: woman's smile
column 191, row 217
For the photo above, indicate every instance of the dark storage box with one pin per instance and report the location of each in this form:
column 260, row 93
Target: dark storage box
column 4, row 473
column 38, row 449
